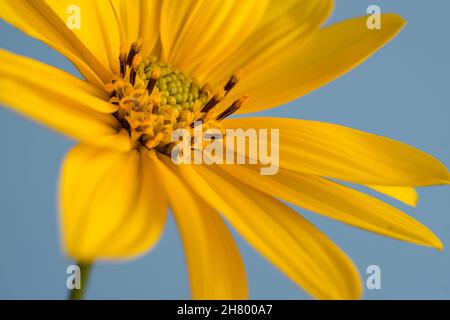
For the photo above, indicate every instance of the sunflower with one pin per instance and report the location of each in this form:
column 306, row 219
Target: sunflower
column 150, row 67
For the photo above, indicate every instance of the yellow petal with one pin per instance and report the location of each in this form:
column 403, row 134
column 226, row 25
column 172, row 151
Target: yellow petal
column 406, row 195
column 337, row 202
column 334, row 151
column 216, row 270
column 140, row 20
column 227, row 38
column 193, row 33
column 305, row 67
column 23, row 69
column 46, row 21
column 285, row 24
column 295, row 246
column 150, row 12
column 174, row 14
column 55, row 98
column 111, row 204
column 98, row 28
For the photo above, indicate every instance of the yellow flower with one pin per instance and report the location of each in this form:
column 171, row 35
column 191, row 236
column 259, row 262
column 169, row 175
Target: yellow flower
column 153, row 66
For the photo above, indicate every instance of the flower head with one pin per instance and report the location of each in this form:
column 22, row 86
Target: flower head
column 152, row 67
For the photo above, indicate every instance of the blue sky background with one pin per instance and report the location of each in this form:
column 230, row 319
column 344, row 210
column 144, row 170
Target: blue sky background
column 401, row 92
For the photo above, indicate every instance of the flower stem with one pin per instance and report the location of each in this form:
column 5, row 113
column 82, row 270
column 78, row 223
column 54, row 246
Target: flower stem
column 78, row 294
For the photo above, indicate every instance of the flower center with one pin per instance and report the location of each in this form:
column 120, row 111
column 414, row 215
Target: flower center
column 155, row 99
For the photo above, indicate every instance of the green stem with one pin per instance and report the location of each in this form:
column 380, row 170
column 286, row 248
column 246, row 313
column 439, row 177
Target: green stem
column 78, row 294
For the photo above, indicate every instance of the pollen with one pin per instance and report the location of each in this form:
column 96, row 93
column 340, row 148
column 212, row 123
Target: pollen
column 154, row 99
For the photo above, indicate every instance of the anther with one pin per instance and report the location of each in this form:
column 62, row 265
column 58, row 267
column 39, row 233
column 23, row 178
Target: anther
column 135, row 48
column 156, row 74
column 234, row 79
column 214, row 101
column 233, row 108
column 135, row 64
column 123, row 61
column 149, row 116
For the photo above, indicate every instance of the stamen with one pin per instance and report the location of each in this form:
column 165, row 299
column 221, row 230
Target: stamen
column 232, row 82
column 154, row 77
column 214, row 101
column 123, row 61
column 233, row 108
column 155, row 99
column 135, row 48
column 134, row 67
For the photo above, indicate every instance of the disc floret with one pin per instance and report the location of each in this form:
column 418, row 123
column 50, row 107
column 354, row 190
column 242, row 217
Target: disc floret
column 154, row 99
